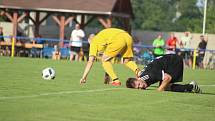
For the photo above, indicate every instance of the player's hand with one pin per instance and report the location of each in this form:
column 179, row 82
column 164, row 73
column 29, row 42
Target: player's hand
column 139, row 79
column 138, row 73
column 82, row 80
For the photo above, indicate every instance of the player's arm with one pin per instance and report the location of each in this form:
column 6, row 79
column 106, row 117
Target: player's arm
column 206, row 37
column 87, row 69
column 81, row 34
column 92, row 56
column 165, row 83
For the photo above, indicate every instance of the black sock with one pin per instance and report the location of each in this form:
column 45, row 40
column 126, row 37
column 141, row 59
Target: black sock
column 181, row 88
column 115, row 79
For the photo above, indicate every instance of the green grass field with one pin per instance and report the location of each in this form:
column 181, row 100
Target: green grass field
column 25, row 96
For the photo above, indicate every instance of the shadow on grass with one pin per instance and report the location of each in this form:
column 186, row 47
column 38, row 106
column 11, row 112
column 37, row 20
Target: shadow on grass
column 203, row 93
column 207, row 93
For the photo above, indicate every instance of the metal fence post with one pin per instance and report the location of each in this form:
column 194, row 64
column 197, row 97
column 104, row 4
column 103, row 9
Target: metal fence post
column 13, row 47
column 194, row 59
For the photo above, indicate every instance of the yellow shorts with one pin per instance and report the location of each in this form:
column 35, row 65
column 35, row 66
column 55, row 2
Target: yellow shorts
column 121, row 44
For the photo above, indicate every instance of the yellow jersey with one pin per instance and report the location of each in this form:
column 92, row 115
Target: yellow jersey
column 102, row 39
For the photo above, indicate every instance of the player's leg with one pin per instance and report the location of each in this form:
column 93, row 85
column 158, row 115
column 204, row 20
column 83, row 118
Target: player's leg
column 112, row 50
column 191, row 87
column 196, row 88
column 180, row 87
column 131, row 65
column 109, row 70
column 127, row 55
column 106, row 78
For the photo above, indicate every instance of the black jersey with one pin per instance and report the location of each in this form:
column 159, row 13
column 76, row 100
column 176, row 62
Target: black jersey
column 171, row 64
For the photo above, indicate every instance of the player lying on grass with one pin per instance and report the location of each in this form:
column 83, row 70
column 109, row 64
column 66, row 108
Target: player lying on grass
column 110, row 42
column 167, row 70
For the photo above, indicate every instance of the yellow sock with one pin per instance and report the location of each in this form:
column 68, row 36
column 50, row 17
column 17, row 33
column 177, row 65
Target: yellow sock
column 109, row 69
column 132, row 65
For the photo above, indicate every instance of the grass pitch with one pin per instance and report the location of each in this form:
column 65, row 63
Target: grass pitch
column 25, row 96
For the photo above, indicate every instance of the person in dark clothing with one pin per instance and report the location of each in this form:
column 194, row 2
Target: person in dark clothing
column 201, row 53
column 167, row 70
column 1, row 35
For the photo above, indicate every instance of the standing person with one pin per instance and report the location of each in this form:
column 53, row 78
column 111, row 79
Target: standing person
column 110, row 42
column 1, row 40
column 56, row 54
column 171, row 44
column 158, row 45
column 76, row 39
column 1, row 34
column 185, row 48
column 167, row 70
column 2, row 50
column 86, row 47
column 201, row 51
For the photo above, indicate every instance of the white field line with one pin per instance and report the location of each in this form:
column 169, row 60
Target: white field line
column 71, row 92
column 59, row 93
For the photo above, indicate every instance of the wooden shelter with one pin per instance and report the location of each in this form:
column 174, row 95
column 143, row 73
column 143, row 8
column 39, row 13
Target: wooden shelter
column 64, row 11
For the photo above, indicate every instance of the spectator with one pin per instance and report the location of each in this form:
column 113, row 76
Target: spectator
column 171, row 44
column 76, row 39
column 7, row 52
column 1, row 40
column 1, row 34
column 201, row 52
column 36, row 52
column 185, row 48
column 56, row 54
column 86, row 47
column 90, row 38
column 158, row 45
column 136, row 48
column 4, row 50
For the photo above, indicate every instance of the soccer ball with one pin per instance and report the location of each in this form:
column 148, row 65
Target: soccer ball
column 48, row 73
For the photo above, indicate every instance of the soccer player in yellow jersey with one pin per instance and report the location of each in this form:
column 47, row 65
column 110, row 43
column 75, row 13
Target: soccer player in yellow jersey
column 111, row 42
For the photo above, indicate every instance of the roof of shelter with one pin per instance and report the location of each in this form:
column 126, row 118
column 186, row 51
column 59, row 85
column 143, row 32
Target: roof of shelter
column 121, row 8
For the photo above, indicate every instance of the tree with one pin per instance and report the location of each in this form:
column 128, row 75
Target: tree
column 154, row 14
column 191, row 16
column 210, row 20
column 173, row 15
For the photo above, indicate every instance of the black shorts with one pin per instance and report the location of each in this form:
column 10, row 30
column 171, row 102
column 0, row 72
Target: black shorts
column 176, row 72
column 200, row 58
column 186, row 54
column 75, row 49
column 171, row 64
column 175, row 68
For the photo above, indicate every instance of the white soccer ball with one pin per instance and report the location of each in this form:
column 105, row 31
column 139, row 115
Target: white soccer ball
column 48, row 73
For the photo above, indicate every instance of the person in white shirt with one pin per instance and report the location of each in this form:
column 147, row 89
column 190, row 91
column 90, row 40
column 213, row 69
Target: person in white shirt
column 185, row 48
column 76, row 39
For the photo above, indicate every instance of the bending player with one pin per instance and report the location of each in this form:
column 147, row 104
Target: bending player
column 167, row 70
column 110, row 42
